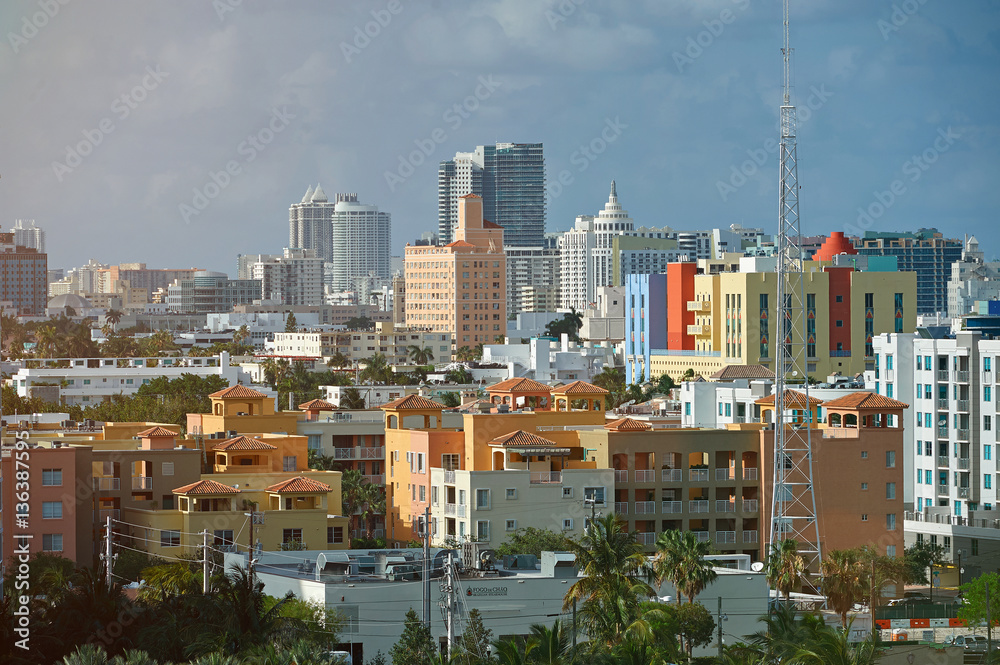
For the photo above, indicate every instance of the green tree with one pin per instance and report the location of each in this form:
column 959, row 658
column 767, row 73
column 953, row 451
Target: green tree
column 351, row 399
column 531, row 540
column 919, row 558
column 420, row 355
column 680, row 558
column 291, row 325
column 695, row 625
column 113, row 317
column 338, row 360
column 843, row 579
column 451, row 400
column 475, row 640
column 359, row 323
column 784, row 566
column 570, row 323
column 415, row 645
column 459, row 375
column 973, row 609
column 377, row 371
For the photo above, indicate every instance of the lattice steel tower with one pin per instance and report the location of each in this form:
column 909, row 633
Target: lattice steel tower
column 793, row 501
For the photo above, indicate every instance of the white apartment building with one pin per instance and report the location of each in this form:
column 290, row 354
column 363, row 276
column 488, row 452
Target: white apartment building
column 532, row 278
column 544, row 360
column 294, row 278
column 262, row 325
column 310, row 224
column 456, row 178
column 362, row 237
column 88, row 381
column 29, row 236
column 359, row 345
column 972, row 279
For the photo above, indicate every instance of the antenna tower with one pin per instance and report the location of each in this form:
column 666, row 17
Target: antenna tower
column 793, row 501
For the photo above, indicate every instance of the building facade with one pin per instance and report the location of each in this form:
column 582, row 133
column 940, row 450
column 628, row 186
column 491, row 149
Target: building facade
column 973, row 279
column 23, row 277
column 310, row 223
column 294, row 278
column 362, row 238
column 209, row 292
column 360, row 345
column 532, row 279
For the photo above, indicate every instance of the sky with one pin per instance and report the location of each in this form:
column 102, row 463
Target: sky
column 177, row 133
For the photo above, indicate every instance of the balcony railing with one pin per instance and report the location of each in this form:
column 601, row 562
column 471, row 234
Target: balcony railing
column 962, row 405
column 621, row 507
column 942, row 460
column 700, row 330
column 343, row 453
column 942, row 490
column 942, row 403
column 750, row 474
column 750, row 505
column 545, row 477
column 621, row 475
column 962, row 375
column 698, row 475
column 987, row 377
column 749, row 536
column 672, row 475
column 698, row 506
column 725, row 537
column 645, row 476
column 963, row 434
column 699, row 305
column 942, row 432
column 725, row 474
column 963, row 463
column 107, row 484
column 963, row 492
column 672, row 507
column 724, row 506
column 449, row 477
column 371, row 452
column 645, row 537
column 703, row 536
column 449, row 509
column 645, row 507
column 942, row 375
column 142, row 482
column 292, row 546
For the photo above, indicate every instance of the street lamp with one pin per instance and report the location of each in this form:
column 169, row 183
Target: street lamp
column 959, row 553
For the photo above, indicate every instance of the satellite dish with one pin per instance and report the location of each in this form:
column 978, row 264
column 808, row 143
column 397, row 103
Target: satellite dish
column 757, row 566
column 320, row 565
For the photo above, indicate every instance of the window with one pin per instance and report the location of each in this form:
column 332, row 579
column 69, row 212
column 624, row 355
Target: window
column 51, row 477
column 511, row 493
column 864, row 454
column 482, row 499
column 890, row 550
column 482, row 530
column 920, row 417
column 840, row 323
column 335, row 535
column 864, row 486
column 288, row 463
column 987, row 394
column 687, row 408
column 987, row 451
column 52, row 510
column 52, row 542
column 423, row 493
column 291, row 535
column 987, row 423
column 987, row 481
column 890, row 491
column 167, row 469
column 839, row 299
column 434, row 496
column 720, row 408
column 170, row 538
column 890, row 459
column 567, row 493
column 420, row 463
column 510, row 525
column 595, row 494
column 449, row 462
column 224, row 540
column 567, row 524
column 974, row 543
column 864, row 517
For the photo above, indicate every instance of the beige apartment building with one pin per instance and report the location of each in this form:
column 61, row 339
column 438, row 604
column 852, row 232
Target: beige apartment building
column 460, row 289
column 391, row 341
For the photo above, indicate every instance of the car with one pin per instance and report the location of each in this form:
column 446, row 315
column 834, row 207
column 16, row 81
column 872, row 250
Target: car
column 971, row 643
column 919, row 599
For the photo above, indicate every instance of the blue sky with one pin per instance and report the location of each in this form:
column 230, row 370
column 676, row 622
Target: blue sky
column 202, row 121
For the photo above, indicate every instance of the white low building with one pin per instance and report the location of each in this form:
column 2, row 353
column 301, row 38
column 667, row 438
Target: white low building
column 262, row 325
column 543, row 359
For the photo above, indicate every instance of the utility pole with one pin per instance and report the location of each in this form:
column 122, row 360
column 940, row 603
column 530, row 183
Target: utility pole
column 254, row 516
column 449, row 589
column 204, row 572
column 718, row 620
column 427, row 567
column 574, row 628
column 989, row 621
column 108, row 561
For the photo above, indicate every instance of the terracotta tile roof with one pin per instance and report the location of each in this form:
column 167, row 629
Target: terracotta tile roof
column 300, row 485
column 519, row 385
column 470, row 196
column 238, row 391
column 865, row 400
column 460, row 243
column 243, row 443
column 156, row 431
column 487, row 224
column 317, row 405
column 413, row 403
column 792, row 397
column 206, row 487
column 627, row 425
column 580, row 388
column 730, row 372
column 473, row 405
column 522, row 438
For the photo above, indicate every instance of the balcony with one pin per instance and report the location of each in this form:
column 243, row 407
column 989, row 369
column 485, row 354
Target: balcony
column 449, row 477
column 942, row 403
column 107, row 484
column 645, row 507
column 671, row 507
column 698, row 475
column 942, row 375
column 371, row 452
column 942, row 432
column 725, row 537
column 749, row 536
column 987, row 377
column 621, row 507
column 449, row 509
column 725, row 474
column 750, row 505
column 750, row 474
column 142, row 482
column 700, row 330
column 621, row 475
column 699, row 305
column 963, row 463
column 545, row 478
column 646, row 538
column 963, row 492
column 724, row 506
column 963, row 434
column 962, row 375
column 292, row 546
column 344, row 453
column 645, row 476
column 672, row 475
column 942, row 490
column 698, row 506
column 703, row 536
column 962, row 405
column 376, row 479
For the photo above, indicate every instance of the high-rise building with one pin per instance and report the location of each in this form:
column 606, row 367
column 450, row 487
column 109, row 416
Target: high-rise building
column 208, row 292
column 510, row 178
column 361, row 239
column 310, row 223
column 532, row 279
column 23, row 277
column 137, row 275
column 294, row 278
column 29, row 236
column 925, row 252
column 972, row 279
column 460, row 288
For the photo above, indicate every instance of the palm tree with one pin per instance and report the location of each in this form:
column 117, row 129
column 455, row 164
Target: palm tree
column 351, row 399
column 160, row 341
column 114, row 317
column 509, row 652
column 373, row 506
column 242, row 335
column 843, row 581
column 785, row 566
column 45, row 341
column 551, row 644
column 420, row 356
column 612, row 585
column 352, row 492
column 87, row 654
column 338, row 360
column 680, row 558
column 785, row 632
column 377, row 371
column 831, row 647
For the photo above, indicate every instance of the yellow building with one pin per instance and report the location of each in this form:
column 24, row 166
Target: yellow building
column 241, row 409
column 461, row 288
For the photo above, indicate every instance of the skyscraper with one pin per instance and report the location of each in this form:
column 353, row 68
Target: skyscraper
column 310, row 224
column 510, row 178
column 361, row 237
column 29, row 236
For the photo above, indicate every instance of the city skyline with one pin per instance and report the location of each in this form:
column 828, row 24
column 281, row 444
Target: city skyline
column 671, row 102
